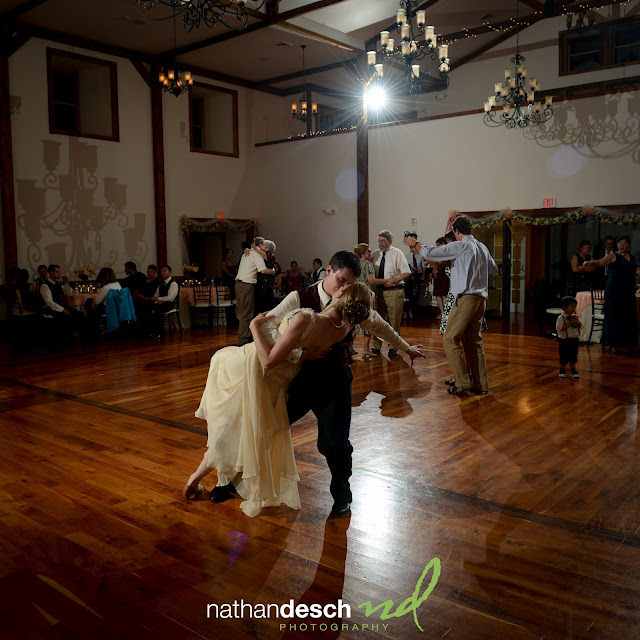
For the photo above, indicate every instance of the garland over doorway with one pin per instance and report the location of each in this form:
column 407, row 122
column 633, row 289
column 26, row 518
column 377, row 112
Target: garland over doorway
column 214, row 225
column 582, row 213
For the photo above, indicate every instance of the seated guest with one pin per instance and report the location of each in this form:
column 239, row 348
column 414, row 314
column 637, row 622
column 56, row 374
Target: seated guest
column 105, row 282
column 135, row 279
column 150, row 284
column 43, row 274
column 293, row 278
column 162, row 301
column 53, row 291
column 318, row 273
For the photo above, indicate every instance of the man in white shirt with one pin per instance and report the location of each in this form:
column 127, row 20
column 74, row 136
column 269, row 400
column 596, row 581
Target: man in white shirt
column 419, row 275
column 152, row 314
column 250, row 265
column 53, row 291
column 392, row 270
column 471, row 265
column 318, row 273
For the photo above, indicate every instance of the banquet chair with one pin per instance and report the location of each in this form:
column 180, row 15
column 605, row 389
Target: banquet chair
column 597, row 311
column 222, row 302
column 201, row 303
column 119, row 310
column 173, row 315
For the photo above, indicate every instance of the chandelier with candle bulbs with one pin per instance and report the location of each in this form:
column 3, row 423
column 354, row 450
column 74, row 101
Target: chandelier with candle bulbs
column 410, row 50
column 520, row 108
column 232, row 14
column 173, row 79
column 300, row 109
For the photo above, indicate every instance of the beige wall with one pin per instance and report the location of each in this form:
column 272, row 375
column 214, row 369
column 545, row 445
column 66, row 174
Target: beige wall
column 103, row 214
column 80, row 202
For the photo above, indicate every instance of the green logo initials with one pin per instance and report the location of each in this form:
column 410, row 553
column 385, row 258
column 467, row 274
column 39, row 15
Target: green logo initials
column 412, row 602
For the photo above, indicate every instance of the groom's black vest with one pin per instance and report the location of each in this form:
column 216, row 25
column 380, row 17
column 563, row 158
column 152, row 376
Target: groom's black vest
column 164, row 287
column 339, row 353
column 56, row 292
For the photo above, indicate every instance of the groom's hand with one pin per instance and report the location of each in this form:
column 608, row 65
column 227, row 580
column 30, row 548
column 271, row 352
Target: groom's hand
column 414, row 352
column 314, row 353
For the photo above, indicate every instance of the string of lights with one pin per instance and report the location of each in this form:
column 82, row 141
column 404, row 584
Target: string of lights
column 526, row 21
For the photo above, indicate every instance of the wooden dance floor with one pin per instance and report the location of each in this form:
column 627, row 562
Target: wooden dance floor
column 527, row 497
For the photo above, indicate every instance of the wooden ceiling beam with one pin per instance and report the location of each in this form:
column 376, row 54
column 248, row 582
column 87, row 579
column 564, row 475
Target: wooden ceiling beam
column 14, row 14
column 307, row 72
column 252, row 28
column 533, row 4
column 83, row 43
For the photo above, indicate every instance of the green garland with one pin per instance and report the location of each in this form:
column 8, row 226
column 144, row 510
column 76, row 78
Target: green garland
column 218, row 225
column 575, row 216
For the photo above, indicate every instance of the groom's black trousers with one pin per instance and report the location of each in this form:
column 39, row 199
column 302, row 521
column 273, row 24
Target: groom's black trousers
column 325, row 388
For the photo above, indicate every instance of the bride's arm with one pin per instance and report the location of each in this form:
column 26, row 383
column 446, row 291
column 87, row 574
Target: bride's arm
column 272, row 356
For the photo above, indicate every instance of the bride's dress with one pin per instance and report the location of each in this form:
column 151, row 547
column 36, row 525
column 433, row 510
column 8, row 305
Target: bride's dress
column 246, row 412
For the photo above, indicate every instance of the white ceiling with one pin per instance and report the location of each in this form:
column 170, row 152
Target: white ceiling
column 332, row 34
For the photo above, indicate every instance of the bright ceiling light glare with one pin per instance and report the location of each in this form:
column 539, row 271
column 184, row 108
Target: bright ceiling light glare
column 375, row 98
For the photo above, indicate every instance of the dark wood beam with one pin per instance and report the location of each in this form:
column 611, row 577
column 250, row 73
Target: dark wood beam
column 362, row 168
column 7, row 196
column 533, row 4
column 144, row 72
column 83, row 43
column 486, row 47
column 240, row 82
column 307, row 72
column 158, row 168
column 14, row 14
column 256, row 26
column 13, row 42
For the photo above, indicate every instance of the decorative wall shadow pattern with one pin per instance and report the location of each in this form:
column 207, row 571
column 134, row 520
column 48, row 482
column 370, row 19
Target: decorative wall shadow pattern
column 65, row 208
column 586, row 126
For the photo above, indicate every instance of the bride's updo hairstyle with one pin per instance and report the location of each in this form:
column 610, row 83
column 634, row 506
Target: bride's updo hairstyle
column 355, row 304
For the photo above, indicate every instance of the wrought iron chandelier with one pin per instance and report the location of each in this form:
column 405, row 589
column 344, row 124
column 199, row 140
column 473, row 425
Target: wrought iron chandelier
column 411, row 50
column 520, row 109
column 174, row 80
column 300, row 109
column 233, row 14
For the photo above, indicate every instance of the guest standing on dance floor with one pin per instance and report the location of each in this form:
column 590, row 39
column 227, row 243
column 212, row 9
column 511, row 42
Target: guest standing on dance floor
column 364, row 253
column 392, row 270
column 471, row 265
column 620, row 312
column 579, row 278
column 250, row 265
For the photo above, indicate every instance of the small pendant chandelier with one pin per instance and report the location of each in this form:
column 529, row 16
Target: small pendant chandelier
column 300, row 109
column 174, row 80
column 520, row 109
column 411, row 50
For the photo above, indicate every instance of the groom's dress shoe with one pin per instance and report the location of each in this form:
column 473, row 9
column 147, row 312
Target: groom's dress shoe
column 340, row 508
column 220, row 494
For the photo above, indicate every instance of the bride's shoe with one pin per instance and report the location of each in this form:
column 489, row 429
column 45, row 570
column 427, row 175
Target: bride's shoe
column 192, row 492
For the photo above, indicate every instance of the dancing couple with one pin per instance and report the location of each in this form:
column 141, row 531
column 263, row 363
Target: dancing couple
column 254, row 392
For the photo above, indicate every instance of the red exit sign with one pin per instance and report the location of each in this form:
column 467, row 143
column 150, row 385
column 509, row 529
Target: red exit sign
column 548, row 203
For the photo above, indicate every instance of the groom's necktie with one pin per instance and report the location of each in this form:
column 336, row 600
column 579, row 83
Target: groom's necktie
column 381, row 267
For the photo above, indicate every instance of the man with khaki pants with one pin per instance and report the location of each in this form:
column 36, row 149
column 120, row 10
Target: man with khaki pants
column 251, row 264
column 392, row 269
column 471, row 265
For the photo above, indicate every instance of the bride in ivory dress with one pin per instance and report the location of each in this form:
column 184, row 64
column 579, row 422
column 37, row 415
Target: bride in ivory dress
column 244, row 402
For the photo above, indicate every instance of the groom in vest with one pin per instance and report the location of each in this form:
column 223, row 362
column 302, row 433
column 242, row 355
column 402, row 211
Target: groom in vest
column 331, row 408
column 53, row 291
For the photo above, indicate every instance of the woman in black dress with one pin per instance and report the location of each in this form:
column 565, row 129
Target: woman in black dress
column 264, row 297
column 579, row 278
column 620, row 312
column 229, row 271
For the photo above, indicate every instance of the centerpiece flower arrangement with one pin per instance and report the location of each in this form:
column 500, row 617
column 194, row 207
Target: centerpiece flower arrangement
column 84, row 273
column 190, row 269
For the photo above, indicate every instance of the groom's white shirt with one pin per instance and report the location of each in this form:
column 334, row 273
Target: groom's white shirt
column 374, row 323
